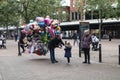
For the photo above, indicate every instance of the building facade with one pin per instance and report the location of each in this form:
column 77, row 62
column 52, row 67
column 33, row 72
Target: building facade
column 74, row 15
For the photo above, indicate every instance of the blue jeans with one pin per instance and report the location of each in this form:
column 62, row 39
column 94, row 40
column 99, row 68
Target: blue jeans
column 52, row 55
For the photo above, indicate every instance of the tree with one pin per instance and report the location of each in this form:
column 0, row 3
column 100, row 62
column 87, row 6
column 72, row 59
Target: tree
column 80, row 6
column 117, row 9
column 13, row 10
column 6, row 14
column 104, row 7
column 29, row 9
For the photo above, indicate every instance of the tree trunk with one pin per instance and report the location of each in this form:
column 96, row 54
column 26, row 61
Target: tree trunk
column 100, row 24
column 7, row 31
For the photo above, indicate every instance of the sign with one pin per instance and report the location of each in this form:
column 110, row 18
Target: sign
column 82, row 27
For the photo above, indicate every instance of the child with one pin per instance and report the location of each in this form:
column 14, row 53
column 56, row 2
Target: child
column 67, row 49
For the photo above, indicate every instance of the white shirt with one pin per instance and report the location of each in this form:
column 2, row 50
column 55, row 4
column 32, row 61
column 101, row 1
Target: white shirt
column 95, row 39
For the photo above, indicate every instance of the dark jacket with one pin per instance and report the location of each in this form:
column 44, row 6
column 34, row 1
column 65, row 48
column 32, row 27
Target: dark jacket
column 75, row 36
column 67, row 51
column 22, row 36
column 86, row 41
column 55, row 43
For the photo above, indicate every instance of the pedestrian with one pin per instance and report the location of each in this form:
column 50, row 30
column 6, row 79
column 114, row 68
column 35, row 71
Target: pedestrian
column 67, row 49
column 16, row 35
column 12, row 35
column 21, row 41
column 55, row 42
column 110, row 36
column 86, row 41
column 75, row 36
column 95, row 42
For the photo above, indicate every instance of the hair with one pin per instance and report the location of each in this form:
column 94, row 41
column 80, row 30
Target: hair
column 93, row 34
column 86, row 31
column 68, row 44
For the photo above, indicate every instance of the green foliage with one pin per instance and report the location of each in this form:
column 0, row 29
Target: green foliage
column 12, row 10
column 103, row 6
column 118, row 10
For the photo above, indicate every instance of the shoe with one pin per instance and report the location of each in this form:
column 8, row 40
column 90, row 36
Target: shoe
column 84, row 62
column 23, row 51
column 52, row 62
column 56, row 61
column 89, row 63
column 68, row 63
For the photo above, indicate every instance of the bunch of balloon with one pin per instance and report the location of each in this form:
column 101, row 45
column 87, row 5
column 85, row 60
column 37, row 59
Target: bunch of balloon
column 39, row 33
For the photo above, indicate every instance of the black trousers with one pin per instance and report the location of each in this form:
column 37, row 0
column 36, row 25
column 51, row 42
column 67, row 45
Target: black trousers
column 87, row 54
column 22, row 46
column 68, row 59
column 75, row 41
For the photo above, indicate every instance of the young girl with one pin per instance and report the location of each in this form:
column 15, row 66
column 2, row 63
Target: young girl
column 67, row 49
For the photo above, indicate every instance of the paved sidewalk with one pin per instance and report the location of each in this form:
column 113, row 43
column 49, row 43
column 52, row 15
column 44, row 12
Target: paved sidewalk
column 34, row 67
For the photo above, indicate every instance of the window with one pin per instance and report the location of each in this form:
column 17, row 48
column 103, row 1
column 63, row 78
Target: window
column 72, row 15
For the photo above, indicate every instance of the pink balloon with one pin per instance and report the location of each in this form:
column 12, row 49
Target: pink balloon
column 40, row 19
column 52, row 32
column 47, row 21
column 24, row 31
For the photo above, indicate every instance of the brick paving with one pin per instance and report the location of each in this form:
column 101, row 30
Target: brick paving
column 34, row 67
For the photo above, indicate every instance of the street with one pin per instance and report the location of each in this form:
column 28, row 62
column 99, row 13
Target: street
column 34, row 67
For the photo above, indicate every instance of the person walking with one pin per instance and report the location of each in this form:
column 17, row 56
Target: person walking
column 55, row 42
column 86, row 41
column 75, row 36
column 16, row 35
column 67, row 49
column 21, row 41
column 110, row 36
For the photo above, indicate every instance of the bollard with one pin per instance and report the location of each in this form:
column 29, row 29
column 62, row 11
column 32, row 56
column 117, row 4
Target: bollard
column 19, row 54
column 119, row 54
column 80, row 49
column 100, row 54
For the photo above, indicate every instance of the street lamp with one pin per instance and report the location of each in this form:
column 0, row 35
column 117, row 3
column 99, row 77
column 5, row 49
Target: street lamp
column 19, row 33
column 100, row 23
